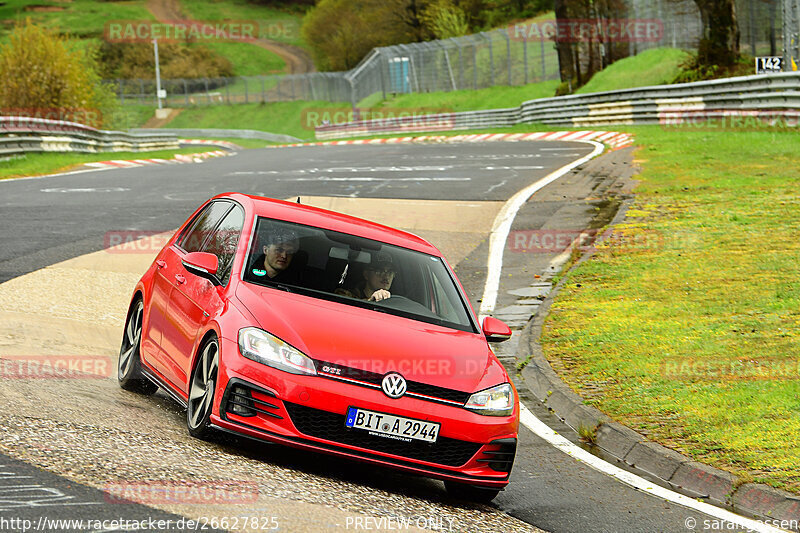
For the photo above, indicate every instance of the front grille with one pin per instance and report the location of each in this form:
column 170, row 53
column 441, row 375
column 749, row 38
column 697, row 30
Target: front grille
column 373, row 380
column 330, row 426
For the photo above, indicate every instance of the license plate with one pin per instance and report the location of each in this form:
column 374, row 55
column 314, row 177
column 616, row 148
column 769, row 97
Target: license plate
column 392, row 427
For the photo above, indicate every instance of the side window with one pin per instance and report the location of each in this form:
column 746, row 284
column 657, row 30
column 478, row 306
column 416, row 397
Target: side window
column 193, row 239
column 223, row 242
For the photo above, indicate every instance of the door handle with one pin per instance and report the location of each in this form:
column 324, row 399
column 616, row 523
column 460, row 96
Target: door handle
column 180, row 279
column 161, row 264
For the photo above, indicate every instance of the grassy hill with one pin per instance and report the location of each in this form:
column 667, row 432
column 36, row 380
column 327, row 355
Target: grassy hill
column 658, row 66
column 85, row 21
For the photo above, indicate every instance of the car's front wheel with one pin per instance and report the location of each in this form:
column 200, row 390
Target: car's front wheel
column 129, row 367
column 201, row 390
column 471, row 493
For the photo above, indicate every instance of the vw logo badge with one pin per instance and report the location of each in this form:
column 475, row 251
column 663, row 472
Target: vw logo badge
column 393, row 385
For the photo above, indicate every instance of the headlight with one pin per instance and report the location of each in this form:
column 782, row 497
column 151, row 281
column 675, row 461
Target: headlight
column 262, row 347
column 497, row 401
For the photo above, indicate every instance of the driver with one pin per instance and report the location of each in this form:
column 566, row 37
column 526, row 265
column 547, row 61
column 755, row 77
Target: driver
column 378, row 278
column 277, row 257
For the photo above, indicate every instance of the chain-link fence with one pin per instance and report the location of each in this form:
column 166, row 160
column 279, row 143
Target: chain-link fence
column 516, row 55
column 791, row 32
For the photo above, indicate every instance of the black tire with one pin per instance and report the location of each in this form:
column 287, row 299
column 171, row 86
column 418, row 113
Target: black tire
column 129, row 365
column 472, row 493
column 201, row 391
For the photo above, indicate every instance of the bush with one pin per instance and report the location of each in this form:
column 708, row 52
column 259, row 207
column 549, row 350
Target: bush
column 44, row 77
column 176, row 60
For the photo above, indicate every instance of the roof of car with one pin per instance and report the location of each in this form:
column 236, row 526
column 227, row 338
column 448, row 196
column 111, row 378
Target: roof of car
column 323, row 218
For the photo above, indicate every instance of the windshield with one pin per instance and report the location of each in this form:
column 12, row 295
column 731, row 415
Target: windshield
column 351, row 270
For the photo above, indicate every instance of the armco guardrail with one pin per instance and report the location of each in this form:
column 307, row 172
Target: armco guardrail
column 184, row 133
column 776, row 96
column 20, row 135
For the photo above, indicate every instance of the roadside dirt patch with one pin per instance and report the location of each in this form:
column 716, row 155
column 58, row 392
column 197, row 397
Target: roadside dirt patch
column 44, row 9
column 156, row 122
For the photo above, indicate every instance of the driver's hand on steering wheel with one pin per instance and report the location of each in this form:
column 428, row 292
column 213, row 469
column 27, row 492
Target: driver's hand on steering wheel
column 380, row 294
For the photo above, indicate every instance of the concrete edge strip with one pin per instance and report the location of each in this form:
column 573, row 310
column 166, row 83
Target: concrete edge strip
column 579, row 454
column 178, row 158
column 627, row 446
column 502, row 226
column 224, row 144
column 131, row 163
column 613, row 139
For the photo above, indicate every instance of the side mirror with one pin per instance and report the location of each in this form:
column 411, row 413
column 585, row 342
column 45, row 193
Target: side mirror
column 495, row 330
column 202, row 264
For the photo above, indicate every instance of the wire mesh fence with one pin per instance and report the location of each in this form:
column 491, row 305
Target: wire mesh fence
column 516, row 55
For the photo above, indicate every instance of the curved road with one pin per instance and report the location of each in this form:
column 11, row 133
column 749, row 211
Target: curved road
column 89, row 431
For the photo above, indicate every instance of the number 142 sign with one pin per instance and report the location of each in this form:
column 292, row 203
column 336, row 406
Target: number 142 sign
column 769, row 64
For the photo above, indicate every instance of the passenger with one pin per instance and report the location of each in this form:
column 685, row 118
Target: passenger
column 378, row 278
column 281, row 247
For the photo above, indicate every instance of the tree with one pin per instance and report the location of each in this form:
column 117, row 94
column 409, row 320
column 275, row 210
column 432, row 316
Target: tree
column 445, row 20
column 719, row 45
column 43, row 77
column 342, row 32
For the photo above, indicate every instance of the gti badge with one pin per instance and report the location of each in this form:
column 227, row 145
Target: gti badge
column 393, row 385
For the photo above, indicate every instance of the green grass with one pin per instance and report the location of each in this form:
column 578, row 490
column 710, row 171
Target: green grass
column 247, row 59
column 658, row 66
column 35, row 164
column 688, row 322
column 491, row 98
column 130, row 116
column 84, row 18
column 289, row 118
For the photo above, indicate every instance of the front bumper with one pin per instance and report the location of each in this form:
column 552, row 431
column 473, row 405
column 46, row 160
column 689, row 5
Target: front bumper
column 309, row 412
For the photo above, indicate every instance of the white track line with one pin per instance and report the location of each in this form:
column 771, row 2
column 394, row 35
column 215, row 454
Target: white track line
column 502, row 225
column 530, row 421
column 497, row 240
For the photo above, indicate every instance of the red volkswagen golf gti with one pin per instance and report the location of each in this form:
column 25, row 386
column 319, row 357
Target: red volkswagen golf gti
column 314, row 329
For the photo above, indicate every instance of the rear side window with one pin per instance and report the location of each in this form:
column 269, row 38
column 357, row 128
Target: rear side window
column 203, row 226
column 223, row 242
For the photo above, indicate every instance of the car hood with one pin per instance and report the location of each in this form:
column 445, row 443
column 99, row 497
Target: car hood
column 372, row 341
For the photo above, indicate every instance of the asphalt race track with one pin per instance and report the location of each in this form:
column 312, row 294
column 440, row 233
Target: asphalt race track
column 84, row 433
